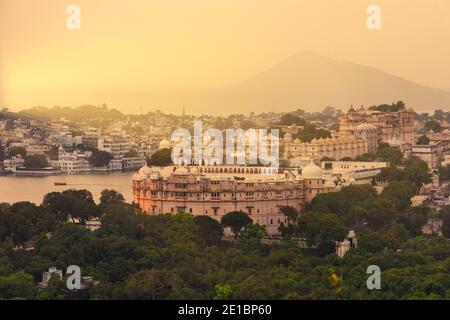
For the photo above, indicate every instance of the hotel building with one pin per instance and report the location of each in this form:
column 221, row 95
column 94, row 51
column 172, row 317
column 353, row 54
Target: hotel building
column 217, row 190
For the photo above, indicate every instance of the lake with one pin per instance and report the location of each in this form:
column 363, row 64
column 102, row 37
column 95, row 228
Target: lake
column 16, row 188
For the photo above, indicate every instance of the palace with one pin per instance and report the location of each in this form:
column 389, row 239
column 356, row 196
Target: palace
column 337, row 147
column 217, row 190
column 393, row 127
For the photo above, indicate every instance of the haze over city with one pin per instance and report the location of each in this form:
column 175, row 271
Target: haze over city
column 207, row 54
column 232, row 152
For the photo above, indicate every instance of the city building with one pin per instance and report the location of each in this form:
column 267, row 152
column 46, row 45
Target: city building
column 337, row 147
column 37, row 149
column 344, row 246
column 217, row 190
column 115, row 145
column 431, row 153
column 72, row 162
column 393, row 127
column 13, row 164
column 352, row 172
column 133, row 163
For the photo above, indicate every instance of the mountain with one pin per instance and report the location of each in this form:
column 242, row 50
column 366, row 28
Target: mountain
column 310, row 81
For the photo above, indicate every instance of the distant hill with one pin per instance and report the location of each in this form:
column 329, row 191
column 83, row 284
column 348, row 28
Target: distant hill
column 6, row 114
column 80, row 113
column 307, row 80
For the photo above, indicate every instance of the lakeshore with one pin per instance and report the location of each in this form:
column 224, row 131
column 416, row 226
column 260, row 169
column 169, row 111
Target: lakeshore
column 33, row 188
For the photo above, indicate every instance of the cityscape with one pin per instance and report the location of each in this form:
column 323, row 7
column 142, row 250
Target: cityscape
column 272, row 188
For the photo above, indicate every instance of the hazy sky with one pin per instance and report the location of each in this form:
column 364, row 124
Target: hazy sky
column 139, row 45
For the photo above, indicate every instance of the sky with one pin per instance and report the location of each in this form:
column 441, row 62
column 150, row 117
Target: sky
column 162, row 45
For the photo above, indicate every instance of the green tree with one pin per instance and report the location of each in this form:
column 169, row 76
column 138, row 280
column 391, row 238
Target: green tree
column 36, row 161
column 417, row 172
column 423, row 140
column 236, row 221
column 444, row 173
column 14, row 151
column 17, row 285
column 446, row 222
column 72, row 203
column 432, row 125
column 131, row 154
column 210, row 231
column 399, row 192
column 289, row 120
column 322, row 230
column 110, row 197
column 149, row 285
column 290, row 213
column 100, row 158
column 56, row 289
column 250, row 238
column 390, row 154
column 161, row 158
column 223, row 292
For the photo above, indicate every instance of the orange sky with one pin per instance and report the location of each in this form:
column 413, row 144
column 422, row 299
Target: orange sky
column 139, row 45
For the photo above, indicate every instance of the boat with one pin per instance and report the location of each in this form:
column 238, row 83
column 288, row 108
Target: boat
column 60, row 184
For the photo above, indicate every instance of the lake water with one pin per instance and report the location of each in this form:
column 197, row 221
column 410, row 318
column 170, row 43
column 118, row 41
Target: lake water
column 15, row 189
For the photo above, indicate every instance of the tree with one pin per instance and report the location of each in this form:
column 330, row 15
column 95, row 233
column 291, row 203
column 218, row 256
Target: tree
column 17, row 285
column 423, row 140
column 223, row 291
column 416, row 171
column 370, row 241
column 399, row 192
column 110, row 197
column 289, row 120
column 100, row 158
column 14, row 151
column 55, row 203
column 322, row 230
column 2, row 152
column 444, row 173
column 161, row 158
column 290, row 213
column 390, row 154
column 149, row 285
column 432, row 125
column 56, row 289
column 250, row 238
column 76, row 204
column 131, row 154
column 236, row 221
column 446, row 222
column 210, row 231
column 36, row 161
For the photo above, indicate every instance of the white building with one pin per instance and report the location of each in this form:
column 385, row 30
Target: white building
column 116, row 146
column 14, row 163
column 352, row 172
column 70, row 162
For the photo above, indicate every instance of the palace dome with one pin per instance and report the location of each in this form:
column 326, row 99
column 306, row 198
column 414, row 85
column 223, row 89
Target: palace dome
column 311, row 171
column 136, row 176
column 145, row 170
column 181, row 170
column 164, row 144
